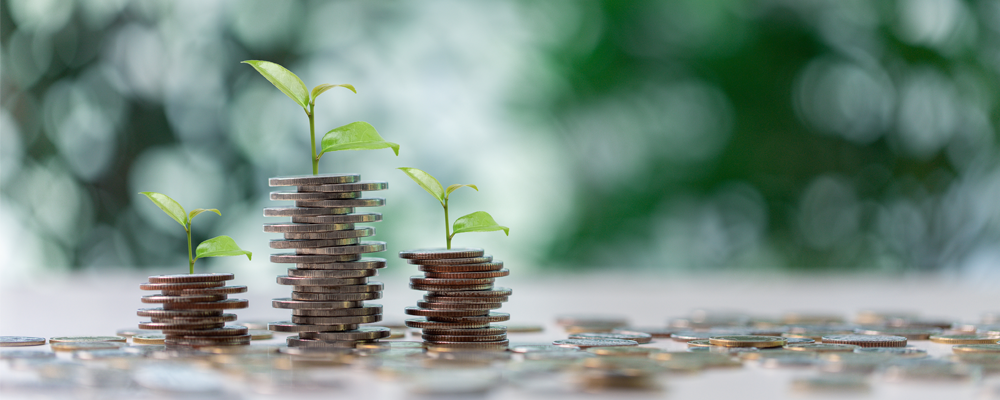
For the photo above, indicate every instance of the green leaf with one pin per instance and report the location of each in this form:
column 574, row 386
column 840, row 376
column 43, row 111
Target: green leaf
column 479, row 221
column 358, row 135
column 220, row 246
column 197, row 211
column 283, row 79
column 457, row 186
column 169, row 206
column 426, row 181
column 318, row 90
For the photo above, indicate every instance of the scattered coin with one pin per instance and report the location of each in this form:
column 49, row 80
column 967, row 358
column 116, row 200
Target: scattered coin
column 867, row 340
column 259, row 334
column 748, row 341
column 976, row 348
column 148, row 339
column 963, row 339
column 75, row 346
column 87, row 339
column 20, row 341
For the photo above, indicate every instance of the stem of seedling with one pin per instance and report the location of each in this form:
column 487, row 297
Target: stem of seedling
column 312, row 138
column 447, row 229
column 190, row 259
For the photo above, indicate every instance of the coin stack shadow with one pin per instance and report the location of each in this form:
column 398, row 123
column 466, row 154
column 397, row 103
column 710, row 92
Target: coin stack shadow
column 330, row 281
column 192, row 310
column 460, row 296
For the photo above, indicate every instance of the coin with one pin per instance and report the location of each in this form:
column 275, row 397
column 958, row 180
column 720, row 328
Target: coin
column 221, row 318
column 302, row 180
column 180, row 325
column 451, row 346
column 284, row 227
column 338, row 219
column 365, row 333
column 793, row 340
column 206, row 291
column 422, row 312
column 362, row 247
column 687, row 336
column 588, row 343
column 335, row 297
column 360, row 263
column 867, row 340
column 365, row 202
column 293, row 258
column 313, row 196
column 637, row 337
column 452, row 261
column 148, row 339
column 699, row 343
column 180, row 286
column 355, row 319
column 161, row 313
column 301, row 281
column 209, row 341
column 366, row 288
column 463, row 300
column 360, row 232
column 288, row 326
column 963, row 339
column 367, row 309
column 295, row 341
column 331, row 273
column 450, row 339
column 363, row 186
column 302, row 244
column 228, row 304
column 747, row 341
column 184, row 278
column 316, row 305
column 481, row 267
column 467, row 275
column 306, row 211
column 228, row 330
column 652, row 331
column 429, row 254
column 487, row 331
column 821, row 347
column 129, row 332
column 908, row 333
column 491, row 317
column 422, row 323
column 458, row 306
column 20, row 341
column 159, row 298
column 87, row 339
column 976, row 348
column 624, row 351
column 84, row 345
column 452, row 289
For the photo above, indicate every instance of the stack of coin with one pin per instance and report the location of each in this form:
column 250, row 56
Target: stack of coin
column 330, row 280
column 192, row 310
column 460, row 294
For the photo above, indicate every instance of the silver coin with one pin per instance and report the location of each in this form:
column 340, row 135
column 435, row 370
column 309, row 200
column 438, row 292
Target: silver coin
column 452, row 261
column 310, row 243
column 353, row 319
column 331, row 273
column 367, row 309
column 363, row 231
column 346, row 187
column 285, row 227
column 365, row 333
column 305, row 212
column 366, row 288
column 338, row 219
column 287, row 280
column 437, row 254
column 292, row 258
column 364, row 202
column 296, row 196
column 303, row 180
column 495, row 292
column 21, row 341
column 361, row 263
column 159, row 312
column 295, row 341
column 363, row 247
column 313, row 305
column 328, row 297
column 289, row 326
column 542, row 348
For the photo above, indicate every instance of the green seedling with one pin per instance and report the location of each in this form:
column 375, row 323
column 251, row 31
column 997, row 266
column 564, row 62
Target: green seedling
column 479, row 221
column 214, row 247
column 358, row 135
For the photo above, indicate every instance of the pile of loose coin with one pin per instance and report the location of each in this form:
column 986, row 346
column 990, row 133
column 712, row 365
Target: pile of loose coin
column 460, row 295
column 192, row 310
column 330, row 280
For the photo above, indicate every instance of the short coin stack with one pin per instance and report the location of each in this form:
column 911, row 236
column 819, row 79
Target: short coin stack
column 191, row 311
column 330, row 281
column 460, row 295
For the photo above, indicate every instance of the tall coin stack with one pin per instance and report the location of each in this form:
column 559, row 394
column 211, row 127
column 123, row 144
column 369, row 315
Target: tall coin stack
column 330, row 278
column 460, row 296
column 192, row 310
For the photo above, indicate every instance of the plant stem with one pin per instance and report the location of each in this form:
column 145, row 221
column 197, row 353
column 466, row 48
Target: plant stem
column 312, row 139
column 447, row 229
column 190, row 259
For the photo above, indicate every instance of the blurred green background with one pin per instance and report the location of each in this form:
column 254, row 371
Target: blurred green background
column 685, row 135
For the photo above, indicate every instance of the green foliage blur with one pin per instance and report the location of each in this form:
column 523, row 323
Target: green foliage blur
column 681, row 134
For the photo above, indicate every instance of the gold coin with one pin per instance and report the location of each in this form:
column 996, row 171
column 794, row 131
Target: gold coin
column 74, row 346
column 260, row 334
column 976, row 348
column 148, row 339
column 963, row 339
column 699, row 343
column 747, row 341
column 87, row 339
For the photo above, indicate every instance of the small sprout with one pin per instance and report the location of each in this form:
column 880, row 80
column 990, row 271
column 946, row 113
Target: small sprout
column 353, row 136
column 479, row 221
column 214, row 247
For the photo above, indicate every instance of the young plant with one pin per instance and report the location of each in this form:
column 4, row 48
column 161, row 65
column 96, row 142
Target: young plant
column 214, row 247
column 358, row 135
column 479, row 221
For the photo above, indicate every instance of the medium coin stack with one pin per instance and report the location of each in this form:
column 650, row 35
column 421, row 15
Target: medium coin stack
column 330, row 278
column 460, row 295
column 191, row 311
